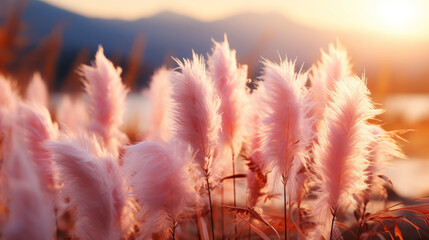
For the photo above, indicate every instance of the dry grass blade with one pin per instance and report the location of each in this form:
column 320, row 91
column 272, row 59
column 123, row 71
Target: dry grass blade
column 255, row 229
column 249, row 211
column 240, row 175
column 202, row 227
column 271, row 196
column 254, row 167
column 398, row 233
column 390, row 218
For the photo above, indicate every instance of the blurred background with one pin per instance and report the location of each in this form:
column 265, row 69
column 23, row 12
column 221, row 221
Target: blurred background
column 387, row 40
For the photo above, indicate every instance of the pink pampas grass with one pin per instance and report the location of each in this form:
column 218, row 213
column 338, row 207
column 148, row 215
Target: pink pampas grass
column 72, row 115
column 342, row 151
column 257, row 177
column 30, row 213
column 159, row 99
column 195, row 111
column 285, row 128
column 161, row 181
column 106, row 95
column 334, row 66
column 37, row 128
column 92, row 182
column 230, row 81
column 196, row 120
column 37, row 91
column 383, row 148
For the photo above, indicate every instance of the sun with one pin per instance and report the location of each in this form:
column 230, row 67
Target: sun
column 397, row 16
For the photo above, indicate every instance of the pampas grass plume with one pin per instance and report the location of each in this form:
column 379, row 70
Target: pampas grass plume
column 37, row 91
column 72, row 115
column 161, row 181
column 196, row 119
column 30, row 212
column 285, row 128
column 383, row 148
column 341, row 155
column 106, row 95
column 230, row 80
column 334, row 66
column 91, row 180
column 159, row 105
column 37, row 128
column 256, row 178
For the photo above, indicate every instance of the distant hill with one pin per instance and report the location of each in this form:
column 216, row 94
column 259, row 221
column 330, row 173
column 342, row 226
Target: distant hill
column 252, row 35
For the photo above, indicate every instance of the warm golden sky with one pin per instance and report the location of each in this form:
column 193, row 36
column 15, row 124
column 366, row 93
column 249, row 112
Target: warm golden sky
column 407, row 18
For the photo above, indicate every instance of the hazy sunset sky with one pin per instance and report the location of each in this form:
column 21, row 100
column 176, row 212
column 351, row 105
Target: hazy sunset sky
column 409, row 18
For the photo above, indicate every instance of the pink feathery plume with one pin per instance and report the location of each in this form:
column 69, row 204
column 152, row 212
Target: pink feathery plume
column 159, row 103
column 30, row 212
column 383, row 148
column 37, row 91
column 106, row 95
column 341, row 154
column 257, row 177
column 196, row 118
column 36, row 127
column 72, row 114
column 285, row 127
column 90, row 178
column 334, row 66
column 230, row 81
column 163, row 185
column 195, row 115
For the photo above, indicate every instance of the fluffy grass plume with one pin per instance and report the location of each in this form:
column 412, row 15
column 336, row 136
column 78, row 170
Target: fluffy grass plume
column 285, row 128
column 257, row 164
column 341, row 155
column 37, row 91
column 36, row 128
column 161, row 181
column 30, row 212
column 334, row 66
column 196, row 118
column 106, row 95
column 195, row 113
column 90, row 178
column 230, row 81
column 72, row 115
column 383, row 148
column 159, row 105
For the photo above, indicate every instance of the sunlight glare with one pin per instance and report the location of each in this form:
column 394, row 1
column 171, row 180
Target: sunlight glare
column 398, row 16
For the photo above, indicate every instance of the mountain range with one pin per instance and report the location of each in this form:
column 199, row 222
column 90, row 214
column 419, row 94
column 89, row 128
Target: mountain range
column 254, row 36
